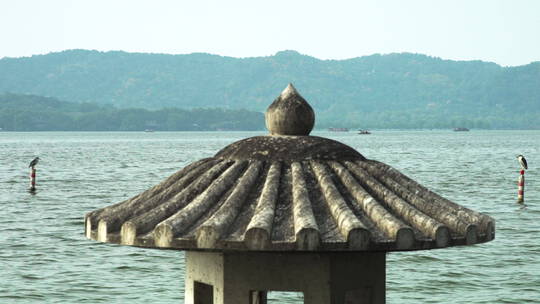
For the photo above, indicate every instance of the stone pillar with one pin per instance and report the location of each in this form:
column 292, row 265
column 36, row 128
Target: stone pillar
column 206, row 268
column 324, row 278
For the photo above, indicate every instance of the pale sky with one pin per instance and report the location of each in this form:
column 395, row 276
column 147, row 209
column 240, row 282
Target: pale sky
column 504, row 32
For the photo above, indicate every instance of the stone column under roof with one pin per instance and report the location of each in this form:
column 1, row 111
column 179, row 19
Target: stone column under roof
column 289, row 212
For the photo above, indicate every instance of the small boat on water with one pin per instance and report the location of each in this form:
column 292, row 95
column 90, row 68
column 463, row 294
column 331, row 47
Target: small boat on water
column 461, row 130
column 363, row 132
column 149, row 130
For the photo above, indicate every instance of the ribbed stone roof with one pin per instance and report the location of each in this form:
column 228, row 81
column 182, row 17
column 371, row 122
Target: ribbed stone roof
column 289, row 192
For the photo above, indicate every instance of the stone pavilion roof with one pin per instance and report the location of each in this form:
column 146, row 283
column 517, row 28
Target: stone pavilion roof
column 289, row 191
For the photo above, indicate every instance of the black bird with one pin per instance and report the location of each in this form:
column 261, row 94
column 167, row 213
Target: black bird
column 522, row 161
column 34, row 162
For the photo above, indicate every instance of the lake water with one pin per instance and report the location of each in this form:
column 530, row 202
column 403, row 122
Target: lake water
column 45, row 258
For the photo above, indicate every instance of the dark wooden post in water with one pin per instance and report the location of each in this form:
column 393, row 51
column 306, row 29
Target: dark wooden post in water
column 32, row 180
column 288, row 212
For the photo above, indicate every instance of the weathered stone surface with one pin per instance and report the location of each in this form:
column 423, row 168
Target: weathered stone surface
column 307, row 205
column 289, row 192
column 288, row 149
column 290, row 114
column 344, row 278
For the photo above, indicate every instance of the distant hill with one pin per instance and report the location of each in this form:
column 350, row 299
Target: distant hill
column 378, row 91
column 38, row 113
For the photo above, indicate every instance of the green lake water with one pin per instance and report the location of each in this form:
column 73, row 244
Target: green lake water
column 45, row 258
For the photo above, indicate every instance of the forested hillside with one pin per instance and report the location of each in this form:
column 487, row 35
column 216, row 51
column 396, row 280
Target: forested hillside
column 378, row 91
column 37, row 113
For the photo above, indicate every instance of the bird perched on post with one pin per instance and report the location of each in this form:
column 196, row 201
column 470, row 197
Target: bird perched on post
column 522, row 161
column 34, row 162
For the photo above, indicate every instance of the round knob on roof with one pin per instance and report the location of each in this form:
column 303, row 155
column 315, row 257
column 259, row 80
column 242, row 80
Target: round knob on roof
column 289, row 114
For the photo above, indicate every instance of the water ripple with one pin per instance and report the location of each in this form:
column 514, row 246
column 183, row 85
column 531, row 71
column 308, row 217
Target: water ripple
column 48, row 260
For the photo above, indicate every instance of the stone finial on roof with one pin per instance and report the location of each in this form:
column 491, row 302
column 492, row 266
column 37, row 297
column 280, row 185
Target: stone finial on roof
column 289, row 114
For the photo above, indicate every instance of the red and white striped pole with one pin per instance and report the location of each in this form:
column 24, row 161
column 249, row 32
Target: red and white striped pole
column 33, row 179
column 521, row 186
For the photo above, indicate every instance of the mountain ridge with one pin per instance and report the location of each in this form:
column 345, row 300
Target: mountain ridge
column 383, row 91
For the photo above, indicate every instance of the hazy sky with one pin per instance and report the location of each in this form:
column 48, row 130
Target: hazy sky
column 505, row 32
